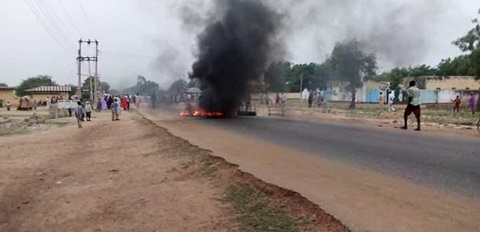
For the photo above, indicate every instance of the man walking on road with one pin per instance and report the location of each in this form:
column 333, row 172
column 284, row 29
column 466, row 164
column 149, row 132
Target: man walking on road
column 413, row 105
column 79, row 114
column 88, row 111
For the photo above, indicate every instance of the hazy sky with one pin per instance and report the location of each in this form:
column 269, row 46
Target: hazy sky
column 140, row 37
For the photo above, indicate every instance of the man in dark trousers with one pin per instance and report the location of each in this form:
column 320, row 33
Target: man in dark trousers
column 413, row 105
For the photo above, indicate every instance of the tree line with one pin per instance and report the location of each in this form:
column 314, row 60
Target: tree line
column 46, row 80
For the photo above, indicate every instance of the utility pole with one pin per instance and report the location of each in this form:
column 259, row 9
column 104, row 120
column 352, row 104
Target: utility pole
column 79, row 90
column 301, row 83
column 96, row 82
column 81, row 59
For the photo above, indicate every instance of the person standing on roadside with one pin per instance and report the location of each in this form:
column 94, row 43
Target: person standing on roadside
column 79, row 112
column 471, row 102
column 381, row 102
column 115, row 108
column 47, row 100
column 8, row 105
column 456, row 104
column 391, row 99
column 88, row 111
column 413, row 105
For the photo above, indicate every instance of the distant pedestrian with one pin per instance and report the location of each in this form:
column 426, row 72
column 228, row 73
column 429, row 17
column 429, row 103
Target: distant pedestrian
column 456, row 104
column 400, row 96
column 471, row 102
column 79, row 113
column 277, row 99
column 413, row 105
column 104, row 103
column 8, row 105
column 310, row 99
column 115, row 108
column 316, row 99
column 34, row 105
column 109, row 102
column 381, row 101
column 283, row 100
column 124, row 102
column 47, row 100
column 391, row 100
column 99, row 105
column 88, row 111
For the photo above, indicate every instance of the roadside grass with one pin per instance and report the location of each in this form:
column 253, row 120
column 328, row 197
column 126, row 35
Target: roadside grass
column 255, row 210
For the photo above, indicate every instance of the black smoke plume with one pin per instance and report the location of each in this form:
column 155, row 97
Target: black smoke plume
column 234, row 50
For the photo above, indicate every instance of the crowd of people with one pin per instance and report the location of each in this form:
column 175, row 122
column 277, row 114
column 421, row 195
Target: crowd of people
column 114, row 103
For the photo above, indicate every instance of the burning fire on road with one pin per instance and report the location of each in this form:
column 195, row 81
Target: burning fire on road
column 201, row 113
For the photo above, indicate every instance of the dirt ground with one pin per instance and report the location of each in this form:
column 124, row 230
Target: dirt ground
column 131, row 175
column 363, row 200
column 106, row 177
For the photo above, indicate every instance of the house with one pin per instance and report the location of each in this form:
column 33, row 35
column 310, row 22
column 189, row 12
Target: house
column 443, row 89
column 369, row 92
column 42, row 92
column 459, row 83
column 7, row 94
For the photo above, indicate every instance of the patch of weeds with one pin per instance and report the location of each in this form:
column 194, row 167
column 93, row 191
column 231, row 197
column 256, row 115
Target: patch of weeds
column 140, row 120
column 255, row 211
column 58, row 124
column 208, row 167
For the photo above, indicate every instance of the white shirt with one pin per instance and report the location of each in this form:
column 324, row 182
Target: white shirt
column 414, row 93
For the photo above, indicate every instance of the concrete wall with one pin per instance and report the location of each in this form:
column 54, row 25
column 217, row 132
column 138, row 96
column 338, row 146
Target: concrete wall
column 457, row 82
column 8, row 95
column 43, row 96
column 434, row 96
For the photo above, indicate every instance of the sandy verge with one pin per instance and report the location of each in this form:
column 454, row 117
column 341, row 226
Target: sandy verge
column 121, row 176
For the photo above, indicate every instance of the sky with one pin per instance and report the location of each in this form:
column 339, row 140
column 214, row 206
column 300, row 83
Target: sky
column 153, row 39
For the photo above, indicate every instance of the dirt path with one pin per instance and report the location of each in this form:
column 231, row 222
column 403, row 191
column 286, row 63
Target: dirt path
column 363, row 200
column 122, row 176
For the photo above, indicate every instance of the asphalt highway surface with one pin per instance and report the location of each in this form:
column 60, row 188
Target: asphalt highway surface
column 450, row 163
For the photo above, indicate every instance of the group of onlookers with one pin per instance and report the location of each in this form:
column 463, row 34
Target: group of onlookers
column 472, row 104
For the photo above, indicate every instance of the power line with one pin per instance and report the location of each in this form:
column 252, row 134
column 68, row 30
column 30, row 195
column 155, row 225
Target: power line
column 86, row 17
column 56, row 19
column 44, row 25
column 54, row 28
column 70, row 18
column 56, row 25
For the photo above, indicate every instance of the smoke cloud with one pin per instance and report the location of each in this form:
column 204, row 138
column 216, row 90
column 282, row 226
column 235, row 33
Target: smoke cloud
column 235, row 48
column 399, row 32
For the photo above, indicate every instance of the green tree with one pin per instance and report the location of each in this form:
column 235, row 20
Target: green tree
column 73, row 89
column 104, row 86
column 33, row 82
column 146, row 87
column 351, row 65
column 192, row 83
column 458, row 66
column 394, row 76
column 471, row 43
column 275, row 77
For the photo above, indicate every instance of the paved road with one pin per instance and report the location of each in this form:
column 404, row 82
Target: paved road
column 447, row 162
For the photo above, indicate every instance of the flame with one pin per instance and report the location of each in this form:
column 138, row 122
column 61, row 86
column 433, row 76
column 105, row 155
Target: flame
column 201, row 113
column 185, row 113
